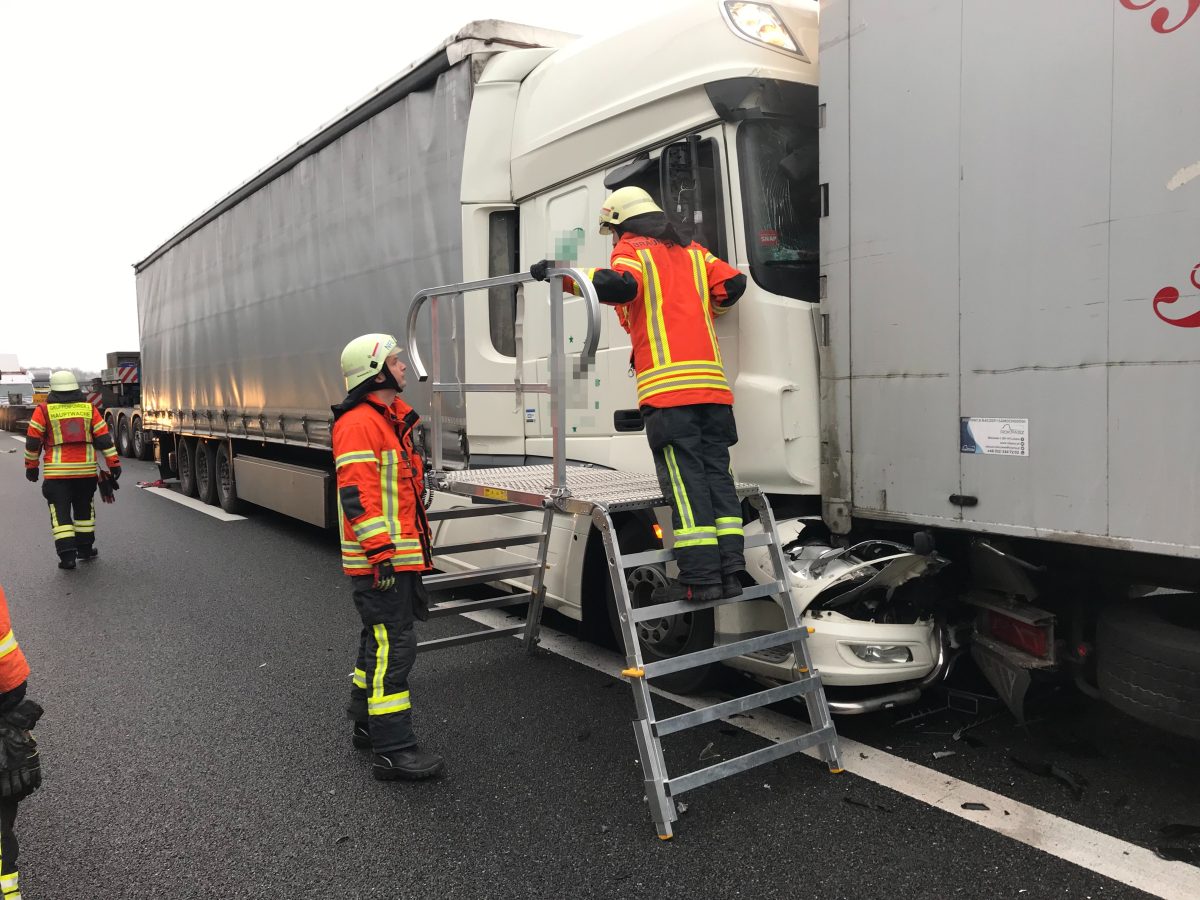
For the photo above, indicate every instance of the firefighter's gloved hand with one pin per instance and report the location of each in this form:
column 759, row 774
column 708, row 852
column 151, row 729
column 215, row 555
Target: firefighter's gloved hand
column 31, row 474
column 114, row 474
column 385, row 576
column 20, row 765
column 538, row 269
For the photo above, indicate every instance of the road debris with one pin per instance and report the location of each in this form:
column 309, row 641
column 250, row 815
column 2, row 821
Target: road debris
column 942, row 754
column 981, row 807
column 866, row 804
column 1072, row 780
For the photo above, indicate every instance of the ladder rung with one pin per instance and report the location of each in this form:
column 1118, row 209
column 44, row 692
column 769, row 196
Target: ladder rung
column 488, row 544
column 478, row 576
column 744, row 763
column 722, row 652
column 454, row 608
column 738, row 704
column 656, row 556
column 471, row 637
column 483, row 509
column 675, row 608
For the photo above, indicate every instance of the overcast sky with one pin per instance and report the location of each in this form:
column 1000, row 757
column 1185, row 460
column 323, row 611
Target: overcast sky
column 123, row 121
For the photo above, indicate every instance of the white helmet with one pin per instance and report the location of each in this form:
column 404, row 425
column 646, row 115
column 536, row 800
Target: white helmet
column 364, row 358
column 64, row 381
column 623, row 204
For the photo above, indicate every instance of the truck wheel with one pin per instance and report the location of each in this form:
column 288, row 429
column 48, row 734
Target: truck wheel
column 143, row 449
column 226, row 485
column 124, row 441
column 206, row 472
column 667, row 637
column 1148, row 661
column 185, row 459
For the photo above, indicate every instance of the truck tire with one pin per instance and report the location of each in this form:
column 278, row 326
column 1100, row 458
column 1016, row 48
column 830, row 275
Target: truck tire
column 124, row 440
column 143, row 449
column 1148, row 661
column 226, row 483
column 185, row 459
column 663, row 638
column 206, row 472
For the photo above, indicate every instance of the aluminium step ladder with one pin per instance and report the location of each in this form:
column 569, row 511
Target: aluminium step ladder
column 599, row 494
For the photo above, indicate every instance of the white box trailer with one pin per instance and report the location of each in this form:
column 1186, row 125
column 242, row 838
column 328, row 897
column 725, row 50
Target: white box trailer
column 1012, row 291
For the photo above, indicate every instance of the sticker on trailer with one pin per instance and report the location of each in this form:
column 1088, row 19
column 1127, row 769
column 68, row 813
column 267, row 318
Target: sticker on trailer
column 994, row 437
column 530, row 414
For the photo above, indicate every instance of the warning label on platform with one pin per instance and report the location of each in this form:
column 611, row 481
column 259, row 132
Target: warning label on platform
column 994, row 437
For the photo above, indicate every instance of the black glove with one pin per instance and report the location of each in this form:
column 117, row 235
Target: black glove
column 385, row 576
column 420, row 600
column 20, row 764
column 538, row 269
column 31, row 474
column 114, row 474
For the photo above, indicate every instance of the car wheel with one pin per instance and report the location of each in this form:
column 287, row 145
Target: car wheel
column 226, row 484
column 666, row 637
column 185, row 459
column 1148, row 661
column 143, row 448
column 206, row 472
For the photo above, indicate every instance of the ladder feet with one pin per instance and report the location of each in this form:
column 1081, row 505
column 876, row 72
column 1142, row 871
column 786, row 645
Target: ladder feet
column 833, row 771
column 665, row 837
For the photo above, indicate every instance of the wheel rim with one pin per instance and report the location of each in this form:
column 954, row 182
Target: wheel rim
column 668, row 635
column 137, row 438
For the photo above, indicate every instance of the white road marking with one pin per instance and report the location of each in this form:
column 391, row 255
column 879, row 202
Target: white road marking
column 17, row 438
column 1093, row 850
column 215, row 511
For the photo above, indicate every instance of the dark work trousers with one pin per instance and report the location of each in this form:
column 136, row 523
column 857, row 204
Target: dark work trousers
column 8, row 842
column 72, row 513
column 691, row 456
column 387, row 648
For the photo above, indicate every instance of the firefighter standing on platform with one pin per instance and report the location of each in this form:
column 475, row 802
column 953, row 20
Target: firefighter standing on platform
column 385, row 548
column 68, row 431
column 667, row 292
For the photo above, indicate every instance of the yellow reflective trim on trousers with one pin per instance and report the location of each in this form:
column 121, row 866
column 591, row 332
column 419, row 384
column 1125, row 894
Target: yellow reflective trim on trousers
column 381, row 660
column 59, row 531
column 8, row 644
column 656, row 325
column 697, row 542
column 727, row 525
column 359, row 679
column 682, row 505
column 390, row 703
column 355, row 456
column 9, row 886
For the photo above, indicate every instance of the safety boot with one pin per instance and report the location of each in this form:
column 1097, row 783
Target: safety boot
column 678, row 590
column 66, row 559
column 731, row 586
column 87, row 555
column 410, row 764
column 360, row 737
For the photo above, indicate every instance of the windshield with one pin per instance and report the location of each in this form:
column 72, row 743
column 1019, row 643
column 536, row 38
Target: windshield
column 780, row 193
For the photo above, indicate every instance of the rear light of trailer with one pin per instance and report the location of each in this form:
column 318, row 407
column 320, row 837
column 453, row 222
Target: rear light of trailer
column 1033, row 639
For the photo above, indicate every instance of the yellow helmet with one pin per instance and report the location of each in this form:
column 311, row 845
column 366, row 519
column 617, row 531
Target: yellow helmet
column 623, row 204
column 63, row 381
column 363, row 358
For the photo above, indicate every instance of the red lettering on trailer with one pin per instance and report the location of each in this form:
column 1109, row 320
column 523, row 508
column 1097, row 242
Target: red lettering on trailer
column 1170, row 295
column 1158, row 20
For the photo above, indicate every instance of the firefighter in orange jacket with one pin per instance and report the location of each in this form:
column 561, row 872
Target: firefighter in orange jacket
column 667, row 292
column 20, row 766
column 68, row 431
column 385, row 548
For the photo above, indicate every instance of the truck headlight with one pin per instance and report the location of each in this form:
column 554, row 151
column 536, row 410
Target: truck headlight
column 759, row 22
column 881, row 653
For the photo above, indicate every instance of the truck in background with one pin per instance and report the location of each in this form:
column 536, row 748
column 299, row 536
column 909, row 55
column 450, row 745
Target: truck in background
column 857, row 341
column 16, row 394
column 118, row 394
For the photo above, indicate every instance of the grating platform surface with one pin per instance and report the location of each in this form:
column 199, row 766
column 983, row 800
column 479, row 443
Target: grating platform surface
column 590, row 488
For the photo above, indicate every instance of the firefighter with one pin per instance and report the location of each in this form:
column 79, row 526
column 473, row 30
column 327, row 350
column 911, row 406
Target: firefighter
column 385, row 548
column 68, row 431
column 20, row 765
column 667, row 292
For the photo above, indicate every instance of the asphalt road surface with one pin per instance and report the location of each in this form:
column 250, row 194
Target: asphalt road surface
column 195, row 746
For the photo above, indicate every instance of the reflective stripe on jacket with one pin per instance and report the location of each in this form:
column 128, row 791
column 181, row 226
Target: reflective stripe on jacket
column 68, row 434
column 680, row 291
column 380, row 480
column 14, row 670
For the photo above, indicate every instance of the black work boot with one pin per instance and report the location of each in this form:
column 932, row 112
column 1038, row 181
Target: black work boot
column 66, row 559
column 360, row 737
column 731, row 586
column 678, row 590
column 88, row 555
column 411, row 764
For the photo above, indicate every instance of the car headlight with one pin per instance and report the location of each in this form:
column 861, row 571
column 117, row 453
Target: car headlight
column 881, row 653
column 759, row 22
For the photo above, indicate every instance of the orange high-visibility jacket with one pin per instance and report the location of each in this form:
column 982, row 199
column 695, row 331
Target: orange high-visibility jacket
column 680, row 291
column 380, row 481
column 13, row 667
column 69, row 434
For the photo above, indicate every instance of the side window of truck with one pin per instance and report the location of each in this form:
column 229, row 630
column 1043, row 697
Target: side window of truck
column 503, row 259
